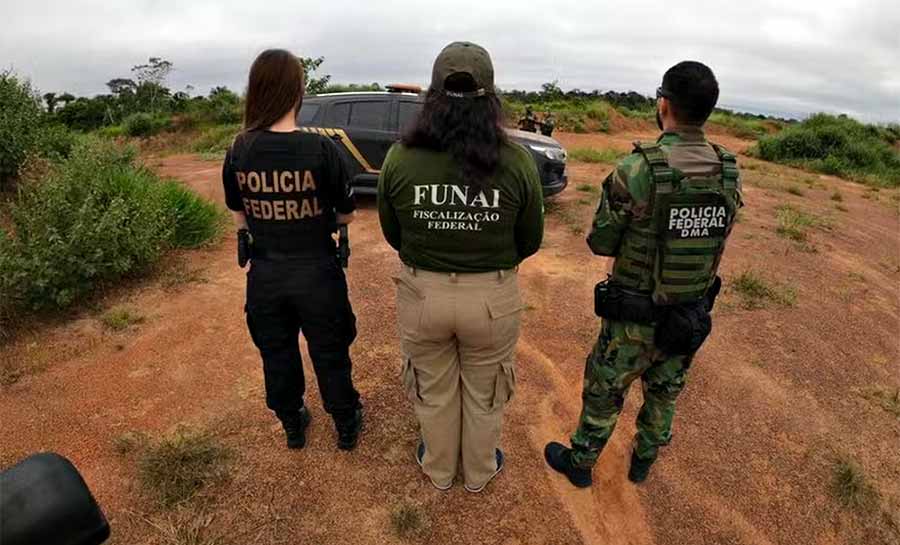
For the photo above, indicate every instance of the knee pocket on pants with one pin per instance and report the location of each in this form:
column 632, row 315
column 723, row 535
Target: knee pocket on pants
column 505, row 385
column 410, row 381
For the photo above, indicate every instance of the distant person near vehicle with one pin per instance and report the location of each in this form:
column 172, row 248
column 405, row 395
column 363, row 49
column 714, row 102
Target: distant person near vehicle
column 289, row 191
column 664, row 215
column 529, row 121
column 548, row 123
column 463, row 207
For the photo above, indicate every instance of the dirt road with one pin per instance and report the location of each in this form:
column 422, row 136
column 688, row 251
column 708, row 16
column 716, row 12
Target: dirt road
column 776, row 395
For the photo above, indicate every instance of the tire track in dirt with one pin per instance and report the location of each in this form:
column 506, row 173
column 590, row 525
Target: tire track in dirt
column 609, row 512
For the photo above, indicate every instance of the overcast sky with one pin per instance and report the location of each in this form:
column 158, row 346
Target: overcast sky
column 776, row 56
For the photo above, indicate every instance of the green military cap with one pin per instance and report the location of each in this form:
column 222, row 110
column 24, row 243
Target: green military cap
column 464, row 58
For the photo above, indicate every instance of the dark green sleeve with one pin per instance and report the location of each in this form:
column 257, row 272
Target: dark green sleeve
column 530, row 222
column 390, row 225
column 616, row 206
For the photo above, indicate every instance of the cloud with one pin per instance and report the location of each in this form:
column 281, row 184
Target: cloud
column 786, row 57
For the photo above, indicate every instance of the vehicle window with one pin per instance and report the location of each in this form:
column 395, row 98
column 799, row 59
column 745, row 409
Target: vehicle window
column 369, row 115
column 408, row 113
column 308, row 113
column 339, row 114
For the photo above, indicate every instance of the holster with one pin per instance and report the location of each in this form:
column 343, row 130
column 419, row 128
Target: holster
column 613, row 302
column 343, row 249
column 244, row 247
column 682, row 329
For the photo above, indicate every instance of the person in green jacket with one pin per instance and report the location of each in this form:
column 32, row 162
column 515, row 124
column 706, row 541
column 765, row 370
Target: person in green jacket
column 463, row 206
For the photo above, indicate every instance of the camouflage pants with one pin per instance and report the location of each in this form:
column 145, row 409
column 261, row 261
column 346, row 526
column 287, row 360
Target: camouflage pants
column 623, row 352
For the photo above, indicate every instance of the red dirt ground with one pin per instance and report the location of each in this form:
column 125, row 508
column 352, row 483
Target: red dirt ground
column 773, row 399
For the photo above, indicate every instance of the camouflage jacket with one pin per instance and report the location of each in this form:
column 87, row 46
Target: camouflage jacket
column 625, row 201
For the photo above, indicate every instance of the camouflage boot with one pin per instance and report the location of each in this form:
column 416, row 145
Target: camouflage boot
column 639, row 469
column 559, row 457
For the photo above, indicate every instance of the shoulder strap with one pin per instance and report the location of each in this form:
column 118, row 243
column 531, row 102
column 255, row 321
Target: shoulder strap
column 729, row 167
column 662, row 174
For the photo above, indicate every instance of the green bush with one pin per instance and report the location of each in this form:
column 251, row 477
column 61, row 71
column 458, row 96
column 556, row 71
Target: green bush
column 144, row 124
column 55, row 141
column 741, row 126
column 21, row 118
column 216, row 139
column 196, row 220
column 835, row 145
column 96, row 218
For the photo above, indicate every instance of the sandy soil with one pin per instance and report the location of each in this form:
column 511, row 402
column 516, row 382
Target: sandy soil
column 775, row 396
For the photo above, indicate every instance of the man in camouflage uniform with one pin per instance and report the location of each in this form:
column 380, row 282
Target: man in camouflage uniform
column 528, row 121
column 548, row 123
column 627, row 226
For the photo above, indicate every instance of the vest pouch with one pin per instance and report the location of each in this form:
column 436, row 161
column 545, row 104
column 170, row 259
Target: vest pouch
column 682, row 329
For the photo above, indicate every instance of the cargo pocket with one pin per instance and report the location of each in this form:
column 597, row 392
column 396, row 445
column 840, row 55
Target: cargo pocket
column 504, row 311
column 505, row 386
column 410, row 305
column 410, row 381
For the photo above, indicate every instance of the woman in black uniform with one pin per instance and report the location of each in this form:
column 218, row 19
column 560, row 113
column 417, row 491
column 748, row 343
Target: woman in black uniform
column 290, row 190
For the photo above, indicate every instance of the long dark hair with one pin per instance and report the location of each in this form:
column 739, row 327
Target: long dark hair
column 274, row 88
column 470, row 129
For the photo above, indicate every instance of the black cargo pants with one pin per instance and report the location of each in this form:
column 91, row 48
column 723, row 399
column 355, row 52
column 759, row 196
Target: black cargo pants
column 285, row 297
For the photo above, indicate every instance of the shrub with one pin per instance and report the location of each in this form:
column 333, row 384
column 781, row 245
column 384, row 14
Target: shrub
column 851, row 486
column 738, row 125
column 216, row 139
column 144, row 124
column 196, row 220
column 177, row 467
column 96, row 218
column 835, row 145
column 121, row 318
column 21, row 118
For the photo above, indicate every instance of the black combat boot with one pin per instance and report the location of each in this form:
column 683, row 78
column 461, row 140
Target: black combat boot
column 639, row 469
column 348, row 430
column 559, row 457
column 295, row 425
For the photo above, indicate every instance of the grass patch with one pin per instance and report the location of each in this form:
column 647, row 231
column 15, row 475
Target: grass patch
column 407, row 519
column 594, row 155
column 851, row 487
column 177, row 467
column 794, row 224
column 795, row 190
column 841, row 207
column 837, row 196
column 884, row 398
column 120, row 319
column 186, row 527
column 756, row 292
column 588, row 188
column 178, row 275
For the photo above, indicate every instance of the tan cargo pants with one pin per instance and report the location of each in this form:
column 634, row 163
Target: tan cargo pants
column 458, row 337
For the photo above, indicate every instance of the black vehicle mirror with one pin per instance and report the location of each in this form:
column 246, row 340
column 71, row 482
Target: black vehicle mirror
column 44, row 500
